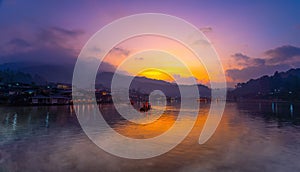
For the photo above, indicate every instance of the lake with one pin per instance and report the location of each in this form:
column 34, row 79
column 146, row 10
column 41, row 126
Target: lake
column 252, row 136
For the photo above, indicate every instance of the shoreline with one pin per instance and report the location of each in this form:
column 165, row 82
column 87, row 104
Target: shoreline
column 208, row 102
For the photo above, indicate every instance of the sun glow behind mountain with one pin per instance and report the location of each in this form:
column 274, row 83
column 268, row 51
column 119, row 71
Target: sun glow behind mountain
column 156, row 74
column 159, row 58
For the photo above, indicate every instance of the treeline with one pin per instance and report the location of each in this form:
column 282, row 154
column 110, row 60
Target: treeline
column 12, row 76
column 280, row 86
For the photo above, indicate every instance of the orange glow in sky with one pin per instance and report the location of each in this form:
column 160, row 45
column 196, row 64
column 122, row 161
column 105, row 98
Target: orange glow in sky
column 169, row 57
column 156, row 74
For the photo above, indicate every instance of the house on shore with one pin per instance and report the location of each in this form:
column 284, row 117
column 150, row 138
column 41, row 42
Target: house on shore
column 50, row 100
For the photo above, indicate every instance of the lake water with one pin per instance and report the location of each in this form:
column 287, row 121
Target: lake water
column 251, row 137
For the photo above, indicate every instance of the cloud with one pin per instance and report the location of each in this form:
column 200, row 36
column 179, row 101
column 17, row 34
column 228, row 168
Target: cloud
column 17, row 42
column 246, row 61
column 258, row 61
column 240, row 56
column 51, row 45
column 119, row 51
column 50, row 52
column 277, row 59
column 241, row 75
column 58, row 33
column 206, row 29
column 46, row 55
column 184, row 80
column 56, row 36
column 15, row 45
column 66, row 32
column 283, row 54
column 139, row 58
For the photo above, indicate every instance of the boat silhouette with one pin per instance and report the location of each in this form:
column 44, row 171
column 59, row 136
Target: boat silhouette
column 146, row 107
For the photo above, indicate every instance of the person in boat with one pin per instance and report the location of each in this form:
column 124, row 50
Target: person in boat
column 146, row 107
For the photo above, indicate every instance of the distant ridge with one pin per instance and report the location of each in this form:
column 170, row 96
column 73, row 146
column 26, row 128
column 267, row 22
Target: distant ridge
column 281, row 85
column 52, row 73
column 146, row 85
column 11, row 76
column 64, row 74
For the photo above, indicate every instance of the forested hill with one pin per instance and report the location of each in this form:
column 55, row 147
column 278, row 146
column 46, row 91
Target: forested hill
column 10, row 76
column 281, row 85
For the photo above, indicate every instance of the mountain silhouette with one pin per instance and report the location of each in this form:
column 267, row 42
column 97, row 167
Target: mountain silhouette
column 64, row 73
column 146, row 85
column 281, row 85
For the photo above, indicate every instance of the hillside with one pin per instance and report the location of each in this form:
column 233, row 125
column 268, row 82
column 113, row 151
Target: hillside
column 10, row 76
column 281, row 85
column 146, row 85
column 40, row 73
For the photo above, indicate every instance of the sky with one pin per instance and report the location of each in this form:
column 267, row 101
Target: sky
column 252, row 38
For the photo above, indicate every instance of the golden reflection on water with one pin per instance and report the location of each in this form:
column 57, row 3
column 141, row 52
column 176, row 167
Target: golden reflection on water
column 161, row 125
column 242, row 142
column 148, row 130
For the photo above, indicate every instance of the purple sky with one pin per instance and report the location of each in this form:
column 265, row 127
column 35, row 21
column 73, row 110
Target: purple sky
column 253, row 38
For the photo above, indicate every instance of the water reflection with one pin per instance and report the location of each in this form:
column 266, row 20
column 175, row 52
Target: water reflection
column 15, row 121
column 283, row 113
column 291, row 109
column 47, row 120
column 258, row 136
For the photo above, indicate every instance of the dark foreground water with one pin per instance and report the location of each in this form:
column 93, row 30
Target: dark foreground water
column 251, row 137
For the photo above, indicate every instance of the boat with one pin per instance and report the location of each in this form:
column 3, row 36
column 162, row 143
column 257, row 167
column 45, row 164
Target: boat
column 146, row 107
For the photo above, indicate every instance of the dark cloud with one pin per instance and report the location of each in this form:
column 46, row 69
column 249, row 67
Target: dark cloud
column 55, row 36
column 51, row 45
column 66, row 32
column 59, row 33
column 277, row 59
column 240, row 56
column 15, row 45
column 282, row 54
column 17, row 42
column 120, row 51
column 246, row 61
column 53, row 55
column 258, row 61
column 241, row 75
